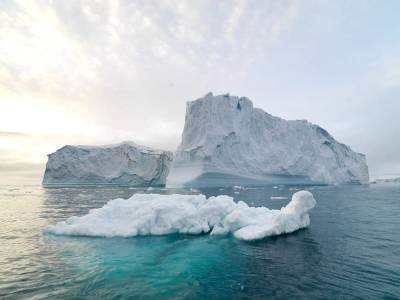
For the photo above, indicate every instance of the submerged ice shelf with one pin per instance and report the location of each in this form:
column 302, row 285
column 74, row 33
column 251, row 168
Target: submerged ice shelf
column 154, row 214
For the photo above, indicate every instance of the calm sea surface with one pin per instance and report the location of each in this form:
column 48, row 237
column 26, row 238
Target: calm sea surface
column 350, row 251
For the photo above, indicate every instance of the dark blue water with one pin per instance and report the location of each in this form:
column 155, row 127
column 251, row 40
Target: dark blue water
column 350, row 251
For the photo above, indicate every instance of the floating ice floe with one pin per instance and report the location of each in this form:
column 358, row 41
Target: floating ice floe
column 277, row 197
column 239, row 187
column 154, row 214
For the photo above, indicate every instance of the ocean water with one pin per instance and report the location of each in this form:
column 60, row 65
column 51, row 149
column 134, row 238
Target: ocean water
column 351, row 250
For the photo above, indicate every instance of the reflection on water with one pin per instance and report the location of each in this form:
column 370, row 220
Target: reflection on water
column 350, row 250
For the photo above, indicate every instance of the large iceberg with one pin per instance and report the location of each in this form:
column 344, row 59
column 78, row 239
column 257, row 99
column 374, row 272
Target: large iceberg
column 154, row 214
column 226, row 141
column 121, row 164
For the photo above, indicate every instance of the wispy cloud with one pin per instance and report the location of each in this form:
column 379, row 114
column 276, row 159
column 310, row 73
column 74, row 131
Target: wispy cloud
column 11, row 134
column 104, row 71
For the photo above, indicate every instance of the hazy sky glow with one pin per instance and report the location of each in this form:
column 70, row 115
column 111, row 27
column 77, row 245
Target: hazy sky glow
column 97, row 72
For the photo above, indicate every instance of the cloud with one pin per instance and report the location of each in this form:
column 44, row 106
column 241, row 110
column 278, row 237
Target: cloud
column 11, row 134
column 105, row 71
column 113, row 62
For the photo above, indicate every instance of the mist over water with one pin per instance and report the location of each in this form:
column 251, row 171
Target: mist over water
column 350, row 250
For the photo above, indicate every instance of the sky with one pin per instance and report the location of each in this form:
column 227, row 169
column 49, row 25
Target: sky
column 101, row 72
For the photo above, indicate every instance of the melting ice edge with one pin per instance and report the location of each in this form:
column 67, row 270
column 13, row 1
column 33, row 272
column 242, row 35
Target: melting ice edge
column 155, row 214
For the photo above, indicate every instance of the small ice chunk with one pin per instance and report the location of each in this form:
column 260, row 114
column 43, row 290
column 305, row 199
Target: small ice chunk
column 277, row 197
column 238, row 187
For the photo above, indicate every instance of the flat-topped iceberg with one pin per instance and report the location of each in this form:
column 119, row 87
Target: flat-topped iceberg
column 121, row 164
column 226, row 141
column 386, row 180
column 154, row 214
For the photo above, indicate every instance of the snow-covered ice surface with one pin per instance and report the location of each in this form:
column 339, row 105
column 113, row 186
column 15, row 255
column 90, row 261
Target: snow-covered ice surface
column 155, row 214
column 226, row 142
column 120, row 164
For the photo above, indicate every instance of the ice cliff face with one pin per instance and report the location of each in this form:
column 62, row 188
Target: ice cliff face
column 123, row 164
column 227, row 141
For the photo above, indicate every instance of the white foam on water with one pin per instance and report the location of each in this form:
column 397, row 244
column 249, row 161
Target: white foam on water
column 154, row 214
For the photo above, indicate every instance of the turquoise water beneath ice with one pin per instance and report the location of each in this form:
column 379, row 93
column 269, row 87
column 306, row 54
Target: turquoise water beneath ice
column 350, row 251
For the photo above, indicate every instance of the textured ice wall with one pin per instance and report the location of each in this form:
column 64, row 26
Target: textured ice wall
column 154, row 214
column 226, row 135
column 122, row 164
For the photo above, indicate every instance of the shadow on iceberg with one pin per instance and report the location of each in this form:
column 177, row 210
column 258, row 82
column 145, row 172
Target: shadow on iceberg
column 228, row 180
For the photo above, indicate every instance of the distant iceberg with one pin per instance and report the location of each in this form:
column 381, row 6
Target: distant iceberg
column 154, row 214
column 120, row 164
column 226, row 142
column 386, row 180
